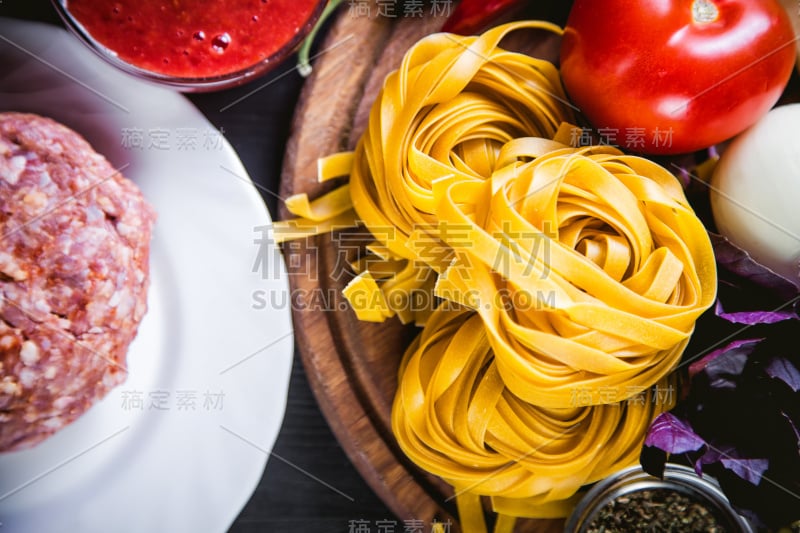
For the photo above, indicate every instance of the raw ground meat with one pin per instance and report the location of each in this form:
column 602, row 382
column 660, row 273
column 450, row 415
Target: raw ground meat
column 74, row 248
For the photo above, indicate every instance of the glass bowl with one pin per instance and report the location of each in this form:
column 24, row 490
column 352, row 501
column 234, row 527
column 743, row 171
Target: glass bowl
column 200, row 81
column 677, row 478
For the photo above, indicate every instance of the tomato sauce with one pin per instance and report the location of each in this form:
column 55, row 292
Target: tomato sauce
column 190, row 38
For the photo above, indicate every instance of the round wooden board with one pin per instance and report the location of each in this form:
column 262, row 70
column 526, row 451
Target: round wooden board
column 352, row 365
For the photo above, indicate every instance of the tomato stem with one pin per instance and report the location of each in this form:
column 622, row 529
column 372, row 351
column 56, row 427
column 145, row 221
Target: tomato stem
column 704, row 11
column 303, row 54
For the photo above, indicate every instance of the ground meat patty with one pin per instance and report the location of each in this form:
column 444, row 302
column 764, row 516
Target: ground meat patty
column 74, row 247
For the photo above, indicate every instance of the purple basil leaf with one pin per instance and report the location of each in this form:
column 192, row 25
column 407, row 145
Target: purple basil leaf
column 752, row 318
column 739, row 262
column 710, row 456
column 782, row 369
column 751, row 470
column 673, row 435
column 726, row 361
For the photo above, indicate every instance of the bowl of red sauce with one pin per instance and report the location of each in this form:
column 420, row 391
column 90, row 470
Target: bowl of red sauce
column 190, row 45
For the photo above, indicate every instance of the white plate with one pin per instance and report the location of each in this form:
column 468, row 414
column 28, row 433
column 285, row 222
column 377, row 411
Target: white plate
column 218, row 359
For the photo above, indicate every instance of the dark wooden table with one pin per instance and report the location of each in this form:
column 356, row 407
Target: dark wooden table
column 309, row 485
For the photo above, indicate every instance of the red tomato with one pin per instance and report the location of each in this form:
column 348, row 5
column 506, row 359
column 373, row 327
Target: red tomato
column 674, row 76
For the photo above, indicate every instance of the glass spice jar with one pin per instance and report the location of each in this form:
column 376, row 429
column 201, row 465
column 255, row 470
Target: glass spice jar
column 633, row 500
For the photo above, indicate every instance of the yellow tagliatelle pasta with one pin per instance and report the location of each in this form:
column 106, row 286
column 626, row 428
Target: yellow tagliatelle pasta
column 572, row 277
column 447, row 111
column 454, row 416
column 587, row 266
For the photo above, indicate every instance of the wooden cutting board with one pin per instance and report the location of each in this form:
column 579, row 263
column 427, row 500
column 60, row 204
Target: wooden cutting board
column 352, row 365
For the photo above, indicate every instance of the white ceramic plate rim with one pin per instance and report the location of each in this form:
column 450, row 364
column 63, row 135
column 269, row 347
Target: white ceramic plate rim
column 217, row 361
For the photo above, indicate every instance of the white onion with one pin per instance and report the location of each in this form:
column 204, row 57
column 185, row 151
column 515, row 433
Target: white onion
column 755, row 191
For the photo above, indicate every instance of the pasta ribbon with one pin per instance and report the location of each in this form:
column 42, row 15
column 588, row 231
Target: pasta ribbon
column 454, row 416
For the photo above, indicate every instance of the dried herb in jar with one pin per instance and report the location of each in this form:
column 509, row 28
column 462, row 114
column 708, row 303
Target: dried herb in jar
column 655, row 510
